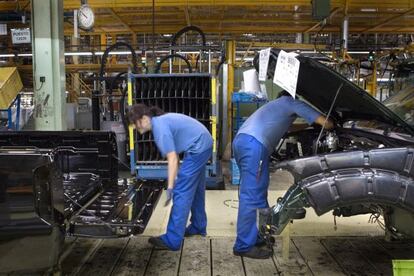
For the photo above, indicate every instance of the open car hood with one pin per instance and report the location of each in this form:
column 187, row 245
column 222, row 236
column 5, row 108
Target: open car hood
column 318, row 84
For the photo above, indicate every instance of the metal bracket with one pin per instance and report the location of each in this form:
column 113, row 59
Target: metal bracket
column 273, row 220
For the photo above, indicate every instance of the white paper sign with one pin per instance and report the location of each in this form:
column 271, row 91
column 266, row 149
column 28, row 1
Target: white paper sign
column 287, row 71
column 20, row 36
column 263, row 63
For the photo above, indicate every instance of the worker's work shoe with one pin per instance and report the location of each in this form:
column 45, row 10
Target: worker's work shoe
column 158, row 243
column 254, row 253
column 188, row 234
column 191, row 231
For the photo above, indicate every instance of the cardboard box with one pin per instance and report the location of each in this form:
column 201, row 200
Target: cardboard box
column 10, row 86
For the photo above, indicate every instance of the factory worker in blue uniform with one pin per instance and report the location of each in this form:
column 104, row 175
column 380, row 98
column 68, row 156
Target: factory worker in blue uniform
column 252, row 146
column 174, row 134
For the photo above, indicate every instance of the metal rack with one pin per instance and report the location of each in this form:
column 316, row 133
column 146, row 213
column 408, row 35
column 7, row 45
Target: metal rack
column 13, row 124
column 190, row 94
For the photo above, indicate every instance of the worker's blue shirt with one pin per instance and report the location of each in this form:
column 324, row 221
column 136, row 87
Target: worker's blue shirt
column 180, row 133
column 271, row 121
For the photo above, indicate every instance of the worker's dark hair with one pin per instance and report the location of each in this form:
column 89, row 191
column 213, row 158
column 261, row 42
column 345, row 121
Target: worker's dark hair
column 137, row 111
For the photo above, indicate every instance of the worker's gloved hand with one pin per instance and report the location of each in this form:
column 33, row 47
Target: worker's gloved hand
column 169, row 193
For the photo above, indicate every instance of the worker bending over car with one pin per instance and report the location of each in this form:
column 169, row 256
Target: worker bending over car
column 252, row 146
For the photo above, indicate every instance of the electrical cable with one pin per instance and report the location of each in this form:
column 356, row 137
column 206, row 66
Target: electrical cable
column 41, row 85
column 222, row 61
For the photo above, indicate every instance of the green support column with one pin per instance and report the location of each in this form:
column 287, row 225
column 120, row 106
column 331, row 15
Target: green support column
column 48, row 64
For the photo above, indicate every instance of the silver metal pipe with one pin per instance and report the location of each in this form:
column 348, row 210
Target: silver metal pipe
column 209, row 61
column 345, row 32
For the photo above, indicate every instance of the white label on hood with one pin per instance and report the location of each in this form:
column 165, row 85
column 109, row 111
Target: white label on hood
column 287, row 71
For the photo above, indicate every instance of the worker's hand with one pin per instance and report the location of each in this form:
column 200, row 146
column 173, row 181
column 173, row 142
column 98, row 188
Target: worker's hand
column 169, row 193
column 329, row 124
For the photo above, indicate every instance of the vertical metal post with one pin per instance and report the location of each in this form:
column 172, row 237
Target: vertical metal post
column 345, row 32
column 48, row 64
column 9, row 118
column 130, row 128
column 224, row 128
column 214, row 111
column 299, row 38
column 75, row 24
column 96, row 116
column 18, row 101
column 209, row 61
column 231, row 60
column 170, row 63
column 201, row 61
column 374, row 79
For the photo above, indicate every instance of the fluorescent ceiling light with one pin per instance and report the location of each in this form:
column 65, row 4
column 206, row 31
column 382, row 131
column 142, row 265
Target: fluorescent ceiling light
column 167, row 35
column 245, row 59
column 114, row 53
column 6, row 55
column 369, row 9
column 78, row 54
column 358, row 52
column 24, row 55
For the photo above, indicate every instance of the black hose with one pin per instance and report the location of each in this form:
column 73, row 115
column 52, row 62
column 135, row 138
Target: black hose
column 110, row 90
column 117, row 45
column 102, row 70
column 178, row 34
column 222, row 61
column 184, row 30
column 158, row 68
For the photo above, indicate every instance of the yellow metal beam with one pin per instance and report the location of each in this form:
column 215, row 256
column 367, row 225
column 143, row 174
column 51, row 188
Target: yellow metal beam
column 283, row 45
column 175, row 18
column 113, row 13
column 333, row 12
column 235, row 30
column 389, row 20
column 73, row 4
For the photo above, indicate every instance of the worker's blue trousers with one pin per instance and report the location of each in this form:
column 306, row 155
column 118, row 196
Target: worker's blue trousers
column 253, row 161
column 188, row 194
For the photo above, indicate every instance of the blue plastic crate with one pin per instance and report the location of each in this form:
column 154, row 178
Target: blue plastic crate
column 243, row 97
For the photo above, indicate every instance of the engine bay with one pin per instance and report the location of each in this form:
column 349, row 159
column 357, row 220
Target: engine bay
column 305, row 143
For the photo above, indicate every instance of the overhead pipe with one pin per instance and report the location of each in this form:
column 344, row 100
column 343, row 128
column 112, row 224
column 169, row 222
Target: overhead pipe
column 345, row 33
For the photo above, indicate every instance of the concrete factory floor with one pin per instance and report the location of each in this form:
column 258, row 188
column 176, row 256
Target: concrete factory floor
column 313, row 246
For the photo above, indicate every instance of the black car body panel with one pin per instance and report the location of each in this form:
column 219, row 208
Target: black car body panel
column 381, row 176
column 365, row 165
column 55, row 184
